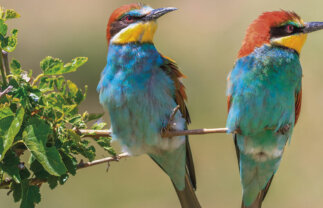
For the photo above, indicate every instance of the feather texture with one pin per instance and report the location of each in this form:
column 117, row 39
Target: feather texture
column 262, row 103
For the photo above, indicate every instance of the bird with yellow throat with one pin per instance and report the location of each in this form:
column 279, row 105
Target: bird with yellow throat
column 264, row 97
column 140, row 88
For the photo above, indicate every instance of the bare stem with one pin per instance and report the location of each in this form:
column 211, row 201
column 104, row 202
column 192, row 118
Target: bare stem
column 3, row 74
column 6, row 61
column 37, row 182
column 172, row 133
column 103, row 160
column 6, row 91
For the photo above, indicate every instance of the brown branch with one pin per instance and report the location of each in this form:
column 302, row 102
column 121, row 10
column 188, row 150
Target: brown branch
column 6, row 91
column 100, row 161
column 167, row 134
column 38, row 182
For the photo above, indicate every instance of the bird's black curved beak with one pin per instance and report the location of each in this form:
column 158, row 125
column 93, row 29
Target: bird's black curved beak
column 312, row 26
column 156, row 13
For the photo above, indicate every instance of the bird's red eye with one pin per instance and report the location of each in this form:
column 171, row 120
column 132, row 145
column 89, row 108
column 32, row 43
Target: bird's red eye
column 289, row 28
column 128, row 18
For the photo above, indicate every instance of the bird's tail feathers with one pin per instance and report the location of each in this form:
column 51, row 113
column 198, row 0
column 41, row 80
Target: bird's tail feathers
column 260, row 198
column 187, row 196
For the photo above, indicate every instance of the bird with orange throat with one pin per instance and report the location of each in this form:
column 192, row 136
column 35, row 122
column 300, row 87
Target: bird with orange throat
column 264, row 97
column 140, row 88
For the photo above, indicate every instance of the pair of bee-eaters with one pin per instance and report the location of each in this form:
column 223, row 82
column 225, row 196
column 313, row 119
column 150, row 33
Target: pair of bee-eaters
column 140, row 88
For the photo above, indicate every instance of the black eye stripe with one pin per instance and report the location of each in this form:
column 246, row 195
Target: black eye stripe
column 282, row 31
column 122, row 22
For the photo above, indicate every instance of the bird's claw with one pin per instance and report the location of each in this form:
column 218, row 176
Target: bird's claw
column 170, row 123
column 283, row 130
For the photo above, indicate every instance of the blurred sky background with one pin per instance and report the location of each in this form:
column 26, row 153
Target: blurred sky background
column 203, row 37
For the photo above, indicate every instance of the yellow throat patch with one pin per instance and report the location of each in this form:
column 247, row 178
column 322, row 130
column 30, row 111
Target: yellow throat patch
column 295, row 42
column 141, row 32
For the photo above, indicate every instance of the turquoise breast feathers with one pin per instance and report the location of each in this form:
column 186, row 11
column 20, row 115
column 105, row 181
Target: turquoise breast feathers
column 139, row 97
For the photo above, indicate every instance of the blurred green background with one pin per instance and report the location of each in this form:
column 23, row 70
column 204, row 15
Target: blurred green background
column 203, row 37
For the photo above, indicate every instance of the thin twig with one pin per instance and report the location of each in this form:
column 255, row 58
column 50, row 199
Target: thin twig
column 194, row 132
column 172, row 133
column 3, row 73
column 6, row 61
column 6, row 91
column 103, row 160
column 37, row 182
column 94, row 133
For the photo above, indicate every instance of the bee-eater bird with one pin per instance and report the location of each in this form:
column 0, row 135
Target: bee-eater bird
column 264, row 97
column 140, row 88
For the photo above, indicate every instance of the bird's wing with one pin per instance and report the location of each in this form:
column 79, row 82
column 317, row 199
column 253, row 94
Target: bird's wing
column 171, row 69
column 298, row 104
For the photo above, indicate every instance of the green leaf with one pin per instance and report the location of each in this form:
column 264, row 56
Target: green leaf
column 63, row 179
column 52, row 181
column 74, row 136
column 37, row 168
column 3, row 27
column 59, row 82
column 9, row 127
column 55, row 66
column 94, row 116
column 83, row 149
column 46, row 84
column 15, row 67
column 17, row 192
column 30, row 195
column 35, row 137
column 51, row 65
column 76, row 63
column 70, row 163
column 2, row 12
column 11, row 41
column 11, row 14
column 10, row 166
column 98, row 126
column 72, row 87
column 105, row 142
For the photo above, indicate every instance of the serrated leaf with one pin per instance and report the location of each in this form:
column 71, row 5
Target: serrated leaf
column 15, row 67
column 59, row 82
column 17, row 192
column 63, row 179
column 10, row 166
column 105, row 142
column 74, row 65
column 11, row 14
column 10, row 124
column 52, row 181
column 11, row 41
column 46, row 84
column 30, row 195
column 3, row 27
column 55, row 66
column 83, row 149
column 35, row 137
column 37, row 168
column 70, row 163
column 51, row 65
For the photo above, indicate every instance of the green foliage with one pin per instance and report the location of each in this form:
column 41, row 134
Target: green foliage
column 38, row 116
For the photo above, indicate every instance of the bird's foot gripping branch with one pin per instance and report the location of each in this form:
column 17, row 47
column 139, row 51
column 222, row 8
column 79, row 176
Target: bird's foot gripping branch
column 37, row 115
